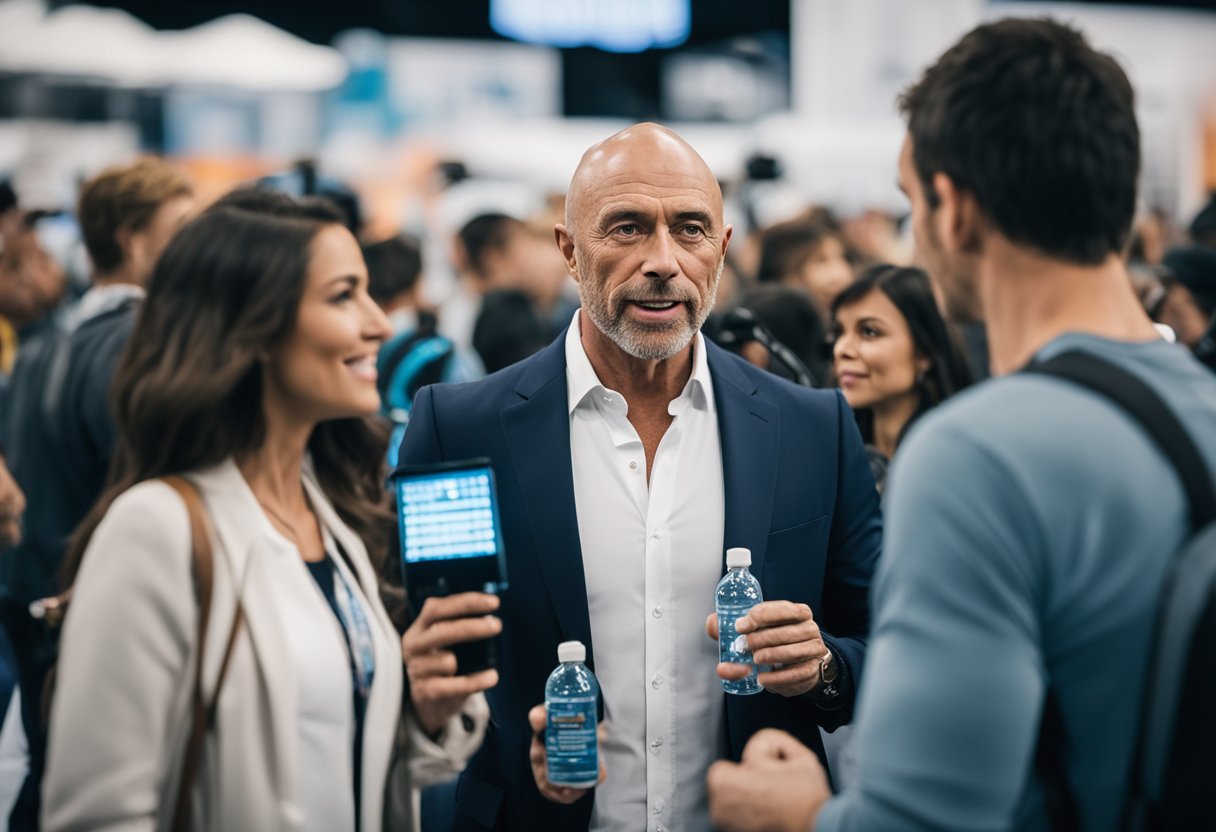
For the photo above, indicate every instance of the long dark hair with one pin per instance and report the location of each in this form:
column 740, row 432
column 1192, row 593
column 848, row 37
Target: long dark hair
column 909, row 289
column 187, row 391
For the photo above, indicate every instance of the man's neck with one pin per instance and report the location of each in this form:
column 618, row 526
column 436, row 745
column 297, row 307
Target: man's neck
column 641, row 381
column 1030, row 299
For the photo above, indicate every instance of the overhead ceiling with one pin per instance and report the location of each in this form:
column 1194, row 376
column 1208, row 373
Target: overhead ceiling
column 712, row 20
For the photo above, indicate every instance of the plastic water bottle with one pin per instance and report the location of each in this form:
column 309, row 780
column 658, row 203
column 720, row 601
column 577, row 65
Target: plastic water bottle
column 570, row 740
column 738, row 592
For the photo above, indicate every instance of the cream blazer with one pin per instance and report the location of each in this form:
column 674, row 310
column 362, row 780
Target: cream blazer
column 121, row 715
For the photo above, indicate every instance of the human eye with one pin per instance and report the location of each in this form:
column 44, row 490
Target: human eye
column 693, row 230
column 868, row 331
column 343, row 296
column 627, row 229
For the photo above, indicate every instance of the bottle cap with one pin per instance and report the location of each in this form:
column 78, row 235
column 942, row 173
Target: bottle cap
column 738, row 557
column 571, row 651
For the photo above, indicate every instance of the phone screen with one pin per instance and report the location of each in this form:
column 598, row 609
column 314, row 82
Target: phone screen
column 448, row 515
column 451, row 539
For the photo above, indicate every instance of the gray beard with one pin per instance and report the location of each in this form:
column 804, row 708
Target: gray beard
column 637, row 340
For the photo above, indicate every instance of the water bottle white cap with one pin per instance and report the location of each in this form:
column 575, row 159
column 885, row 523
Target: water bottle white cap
column 571, row 651
column 738, row 557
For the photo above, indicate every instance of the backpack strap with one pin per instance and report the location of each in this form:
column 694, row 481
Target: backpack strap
column 1154, row 415
column 202, row 709
column 1143, row 404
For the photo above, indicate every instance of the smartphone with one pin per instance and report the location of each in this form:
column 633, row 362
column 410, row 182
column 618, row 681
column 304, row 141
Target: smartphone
column 451, row 539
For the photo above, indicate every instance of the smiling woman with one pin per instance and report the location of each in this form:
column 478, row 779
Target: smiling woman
column 894, row 355
column 252, row 374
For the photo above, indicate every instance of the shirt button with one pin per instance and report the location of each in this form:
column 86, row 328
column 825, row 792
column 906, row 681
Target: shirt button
column 608, row 399
column 659, row 806
column 660, row 828
column 657, row 681
column 633, row 466
column 657, row 612
column 657, row 536
column 655, row 745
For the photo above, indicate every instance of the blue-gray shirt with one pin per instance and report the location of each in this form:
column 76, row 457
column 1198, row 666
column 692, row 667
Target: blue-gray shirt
column 1029, row 526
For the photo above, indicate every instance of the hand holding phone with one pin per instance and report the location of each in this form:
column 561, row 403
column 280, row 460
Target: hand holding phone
column 436, row 692
column 451, row 541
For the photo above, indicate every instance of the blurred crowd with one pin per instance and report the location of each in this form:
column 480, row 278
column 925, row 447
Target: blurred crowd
column 820, row 298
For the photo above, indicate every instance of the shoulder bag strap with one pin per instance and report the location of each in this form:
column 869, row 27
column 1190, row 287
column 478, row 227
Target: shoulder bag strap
column 202, row 711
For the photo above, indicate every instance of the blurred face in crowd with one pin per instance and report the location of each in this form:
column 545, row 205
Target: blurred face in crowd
column 875, row 358
column 531, row 264
column 1181, row 313
column 142, row 248
column 645, row 240
column 949, row 273
column 826, row 273
column 326, row 368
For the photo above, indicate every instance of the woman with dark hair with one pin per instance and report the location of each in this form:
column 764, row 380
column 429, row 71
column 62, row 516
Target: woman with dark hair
column 894, row 356
column 252, row 373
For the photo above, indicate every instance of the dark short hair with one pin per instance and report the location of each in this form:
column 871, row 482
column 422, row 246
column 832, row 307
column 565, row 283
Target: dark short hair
column 393, row 267
column 507, row 329
column 1203, row 228
column 8, row 197
column 785, row 248
column 912, row 293
column 124, row 196
column 790, row 316
column 484, row 233
column 1040, row 128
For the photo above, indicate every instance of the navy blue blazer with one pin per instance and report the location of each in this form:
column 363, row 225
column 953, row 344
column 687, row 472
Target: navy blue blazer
column 798, row 492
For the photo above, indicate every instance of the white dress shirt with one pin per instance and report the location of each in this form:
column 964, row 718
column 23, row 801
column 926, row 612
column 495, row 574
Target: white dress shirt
column 652, row 556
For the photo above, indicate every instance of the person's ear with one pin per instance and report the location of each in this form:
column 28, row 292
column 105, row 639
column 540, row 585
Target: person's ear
column 128, row 243
column 565, row 244
column 957, row 219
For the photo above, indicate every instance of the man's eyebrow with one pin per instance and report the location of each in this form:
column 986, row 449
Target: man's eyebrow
column 696, row 216
column 623, row 215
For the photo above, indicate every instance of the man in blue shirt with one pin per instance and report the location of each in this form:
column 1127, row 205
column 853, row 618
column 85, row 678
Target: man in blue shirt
column 1030, row 522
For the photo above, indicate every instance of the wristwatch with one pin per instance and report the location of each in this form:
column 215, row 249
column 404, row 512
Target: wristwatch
column 829, row 673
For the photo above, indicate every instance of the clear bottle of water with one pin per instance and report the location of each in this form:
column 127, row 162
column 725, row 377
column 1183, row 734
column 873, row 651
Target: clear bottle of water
column 570, row 738
column 738, row 592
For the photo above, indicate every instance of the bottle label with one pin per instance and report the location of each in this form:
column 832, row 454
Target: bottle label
column 570, row 741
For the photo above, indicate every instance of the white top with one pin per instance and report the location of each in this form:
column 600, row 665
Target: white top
column 652, row 558
column 324, row 707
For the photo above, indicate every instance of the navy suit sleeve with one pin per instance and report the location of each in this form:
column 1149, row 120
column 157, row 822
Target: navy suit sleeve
column 853, row 550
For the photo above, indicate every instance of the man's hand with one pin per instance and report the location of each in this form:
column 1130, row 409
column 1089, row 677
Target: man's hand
column 436, row 691
column 12, row 506
column 784, row 636
column 537, row 718
column 778, row 787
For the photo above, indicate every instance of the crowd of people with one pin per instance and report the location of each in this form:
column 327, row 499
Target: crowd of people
column 203, row 623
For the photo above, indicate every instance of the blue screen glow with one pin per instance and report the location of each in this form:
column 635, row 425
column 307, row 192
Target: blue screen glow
column 615, row 26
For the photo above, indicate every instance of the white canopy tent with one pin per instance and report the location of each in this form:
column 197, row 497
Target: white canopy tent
column 109, row 45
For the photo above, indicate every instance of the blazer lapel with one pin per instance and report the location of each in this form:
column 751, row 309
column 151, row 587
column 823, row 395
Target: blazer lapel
column 748, row 426
column 538, row 435
column 244, row 537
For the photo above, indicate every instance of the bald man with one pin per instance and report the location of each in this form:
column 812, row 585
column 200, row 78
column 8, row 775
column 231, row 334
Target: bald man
column 630, row 454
